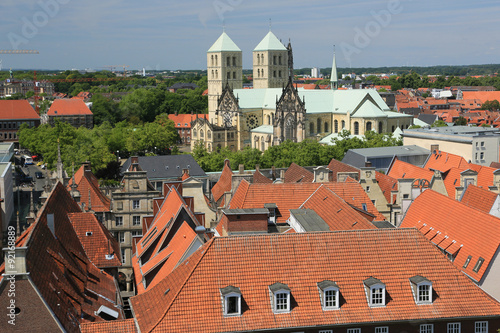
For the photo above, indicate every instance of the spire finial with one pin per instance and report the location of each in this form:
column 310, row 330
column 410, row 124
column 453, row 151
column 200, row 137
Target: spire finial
column 224, row 25
column 270, row 24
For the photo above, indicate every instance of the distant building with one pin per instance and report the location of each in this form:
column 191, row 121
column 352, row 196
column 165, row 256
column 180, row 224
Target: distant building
column 10, row 87
column 14, row 113
column 72, row 111
column 315, row 72
column 478, row 145
column 380, row 158
column 183, row 125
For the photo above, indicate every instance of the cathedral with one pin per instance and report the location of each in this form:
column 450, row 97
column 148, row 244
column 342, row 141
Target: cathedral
column 274, row 110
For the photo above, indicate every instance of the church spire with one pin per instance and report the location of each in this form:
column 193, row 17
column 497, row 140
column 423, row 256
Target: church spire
column 334, row 83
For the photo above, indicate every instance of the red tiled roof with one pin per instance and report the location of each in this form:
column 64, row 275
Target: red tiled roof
column 184, row 120
column 293, row 195
column 479, row 198
column 337, row 166
column 482, row 96
column 451, row 180
column 258, row 177
column 297, row 174
column 475, row 230
column 68, row 107
column 60, row 269
column 90, row 194
column 224, row 183
column 305, row 259
column 113, row 326
column 335, row 212
column 17, row 109
column 400, row 169
column 387, row 184
column 443, row 161
column 97, row 241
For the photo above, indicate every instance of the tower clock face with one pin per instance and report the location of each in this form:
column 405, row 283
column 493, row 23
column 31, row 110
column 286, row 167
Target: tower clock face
column 252, row 121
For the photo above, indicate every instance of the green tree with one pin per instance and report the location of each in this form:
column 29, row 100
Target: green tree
column 439, row 123
column 491, row 105
column 461, row 121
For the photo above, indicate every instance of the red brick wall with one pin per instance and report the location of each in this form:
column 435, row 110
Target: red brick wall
column 247, row 223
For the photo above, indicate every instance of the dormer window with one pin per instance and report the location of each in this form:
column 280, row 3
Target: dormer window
column 477, row 267
column 231, row 300
column 329, row 295
column 422, row 289
column 280, row 297
column 375, row 291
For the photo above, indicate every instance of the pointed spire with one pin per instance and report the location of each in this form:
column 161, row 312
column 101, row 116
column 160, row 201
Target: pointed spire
column 334, row 83
column 270, row 24
column 60, row 169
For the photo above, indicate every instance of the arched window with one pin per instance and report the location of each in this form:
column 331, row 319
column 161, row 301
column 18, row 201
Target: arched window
column 262, row 59
column 369, row 126
column 326, row 127
column 194, row 133
column 212, row 60
column 280, row 60
column 209, row 134
column 380, row 127
column 336, row 125
column 213, row 76
column 311, row 128
column 393, row 129
column 343, row 124
column 258, row 59
column 268, row 119
column 201, row 135
column 234, row 75
column 356, row 128
column 262, row 144
column 216, row 74
column 228, row 75
column 318, row 124
column 216, row 60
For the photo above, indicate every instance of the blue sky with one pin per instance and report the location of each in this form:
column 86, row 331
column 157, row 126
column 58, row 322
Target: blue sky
column 165, row 34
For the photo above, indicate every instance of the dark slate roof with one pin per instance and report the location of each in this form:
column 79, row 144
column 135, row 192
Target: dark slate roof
column 383, row 224
column 167, row 166
column 427, row 118
column 181, row 85
column 309, row 220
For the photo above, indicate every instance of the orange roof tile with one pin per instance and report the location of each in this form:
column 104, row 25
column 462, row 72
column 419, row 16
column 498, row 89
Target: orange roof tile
column 99, row 245
column 475, row 230
column 400, row 169
column 451, row 179
column 224, row 183
column 113, row 326
column 337, row 166
column 479, row 198
column 387, row 184
column 297, row 174
column 482, row 96
column 347, row 258
column 258, row 177
column 184, row 120
column 90, row 194
column 443, row 161
column 68, row 107
column 17, row 109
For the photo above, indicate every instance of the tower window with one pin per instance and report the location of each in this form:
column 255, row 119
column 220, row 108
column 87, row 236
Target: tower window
column 228, row 61
column 234, row 61
column 274, row 60
column 274, row 73
column 234, row 75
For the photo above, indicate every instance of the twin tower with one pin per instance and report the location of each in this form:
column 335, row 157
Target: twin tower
column 272, row 66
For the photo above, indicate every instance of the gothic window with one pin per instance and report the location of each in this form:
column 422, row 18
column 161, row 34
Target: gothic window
column 279, row 73
column 380, row 127
column 280, row 60
column 201, row 134
column 212, row 61
column 326, row 127
column 216, row 72
column 216, row 60
column 258, row 59
column 356, row 128
column 289, row 128
column 369, row 126
column 268, row 119
column 234, row 75
column 234, row 61
column 311, row 128
column 262, row 58
column 213, row 76
column 209, row 134
column 318, row 125
column 228, row 61
column 336, row 124
column 274, row 60
column 228, row 75
column 194, row 133
column 343, row 124
column 262, row 144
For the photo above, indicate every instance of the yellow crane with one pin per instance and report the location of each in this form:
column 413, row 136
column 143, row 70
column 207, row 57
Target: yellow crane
column 17, row 52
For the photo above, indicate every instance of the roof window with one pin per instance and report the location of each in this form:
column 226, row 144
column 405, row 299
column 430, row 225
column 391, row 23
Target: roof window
column 231, row 300
column 329, row 295
column 375, row 292
column 422, row 289
column 280, row 297
column 478, row 264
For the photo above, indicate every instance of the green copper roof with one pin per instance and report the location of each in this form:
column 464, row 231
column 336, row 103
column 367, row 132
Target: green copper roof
column 270, row 42
column 224, row 43
column 369, row 110
column 333, row 77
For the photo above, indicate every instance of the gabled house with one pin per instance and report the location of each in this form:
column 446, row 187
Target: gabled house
column 312, row 282
column 467, row 236
column 14, row 113
column 72, row 111
column 482, row 199
column 57, row 286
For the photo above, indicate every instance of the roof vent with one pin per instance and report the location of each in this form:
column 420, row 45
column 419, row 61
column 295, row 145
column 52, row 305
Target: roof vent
column 110, row 256
column 88, row 233
column 107, row 313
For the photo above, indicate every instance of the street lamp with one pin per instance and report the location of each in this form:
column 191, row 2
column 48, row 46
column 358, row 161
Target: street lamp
column 118, row 155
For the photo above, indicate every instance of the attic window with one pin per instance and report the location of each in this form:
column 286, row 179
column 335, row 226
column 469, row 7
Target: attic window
column 375, row 291
column 88, row 233
column 280, row 297
column 110, row 256
column 422, row 289
column 364, row 206
column 467, row 261
column 231, row 297
column 329, row 295
column 478, row 264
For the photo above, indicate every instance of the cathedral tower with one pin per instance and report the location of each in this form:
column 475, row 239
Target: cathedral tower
column 270, row 63
column 224, row 65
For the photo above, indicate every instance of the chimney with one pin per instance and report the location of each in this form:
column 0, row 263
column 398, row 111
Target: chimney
column 134, row 160
column 226, row 162
column 176, row 113
column 282, row 175
column 86, row 166
column 273, row 172
column 257, row 167
column 241, row 169
column 368, row 164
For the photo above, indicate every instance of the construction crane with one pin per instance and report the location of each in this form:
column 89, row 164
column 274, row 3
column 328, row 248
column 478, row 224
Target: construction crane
column 17, row 52
column 112, row 68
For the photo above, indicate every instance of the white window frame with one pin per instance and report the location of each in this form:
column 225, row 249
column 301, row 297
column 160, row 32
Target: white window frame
column 134, row 220
column 118, row 218
column 275, row 299
column 136, row 204
column 427, row 328
column 429, row 291
column 124, row 256
column 453, row 328
column 121, row 237
column 226, row 304
column 335, row 306
column 382, row 329
column 354, row 330
column 481, row 327
column 373, row 290
column 326, row 331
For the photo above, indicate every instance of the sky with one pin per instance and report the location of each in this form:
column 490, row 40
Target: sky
column 166, row 34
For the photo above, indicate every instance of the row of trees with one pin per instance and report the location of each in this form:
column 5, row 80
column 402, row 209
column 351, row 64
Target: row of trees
column 305, row 153
column 100, row 145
